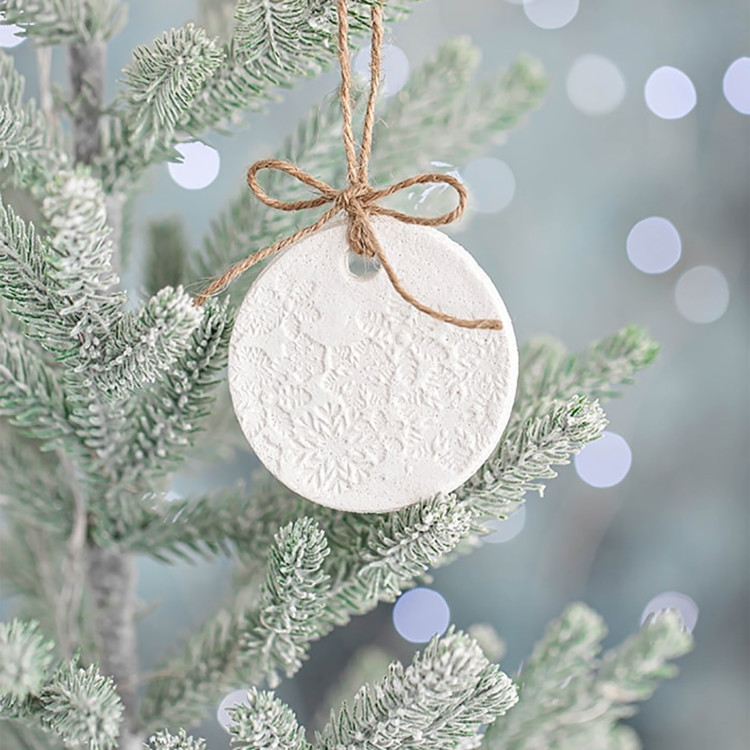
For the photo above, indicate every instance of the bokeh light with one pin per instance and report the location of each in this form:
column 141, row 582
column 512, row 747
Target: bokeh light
column 9, row 34
column 595, row 85
column 736, row 85
column 702, row 294
column 491, row 184
column 605, row 462
column 420, row 614
column 229, row 700
column 550, row 14
column 682, row 603
column 199, row 167
column 669, row 93
column 508, row 529
column 654, row 245
column 394, row 68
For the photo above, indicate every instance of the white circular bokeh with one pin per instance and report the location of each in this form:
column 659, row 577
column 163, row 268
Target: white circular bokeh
column 595, row 85
column 605, row 462
column 491, row 184
column 736, row 85
column 199, row 167
column 505, row 530
column 229, row 700
column 682, row 603
column 702, row 294
column 9, row 34
column 654, row 245
column 419, row 614
column 550, row 14
column 669, row 93
column 394, row 68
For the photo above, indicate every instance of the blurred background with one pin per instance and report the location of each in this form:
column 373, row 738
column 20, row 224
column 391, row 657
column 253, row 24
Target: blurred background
column 624, row 199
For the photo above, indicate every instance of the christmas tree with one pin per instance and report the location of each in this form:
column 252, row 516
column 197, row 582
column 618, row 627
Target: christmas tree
column 104, row 394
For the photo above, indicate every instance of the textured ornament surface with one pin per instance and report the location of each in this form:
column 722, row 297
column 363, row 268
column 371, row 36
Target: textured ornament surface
column 353, row 398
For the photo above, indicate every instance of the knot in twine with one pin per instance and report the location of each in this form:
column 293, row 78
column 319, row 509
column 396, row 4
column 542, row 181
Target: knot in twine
column 358, row 200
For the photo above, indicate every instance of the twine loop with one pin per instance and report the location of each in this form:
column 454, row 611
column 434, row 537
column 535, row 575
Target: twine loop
column 358, row 200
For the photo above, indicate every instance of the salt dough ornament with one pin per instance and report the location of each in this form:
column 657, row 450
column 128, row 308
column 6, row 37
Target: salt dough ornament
column 351, row 396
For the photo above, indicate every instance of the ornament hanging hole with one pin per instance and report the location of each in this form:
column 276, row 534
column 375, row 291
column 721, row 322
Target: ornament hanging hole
column 362, row 266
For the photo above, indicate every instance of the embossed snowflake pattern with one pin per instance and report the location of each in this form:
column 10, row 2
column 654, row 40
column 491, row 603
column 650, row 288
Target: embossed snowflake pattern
column 335, row 449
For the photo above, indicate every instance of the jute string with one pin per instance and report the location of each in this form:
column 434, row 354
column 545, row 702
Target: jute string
column 358, row 200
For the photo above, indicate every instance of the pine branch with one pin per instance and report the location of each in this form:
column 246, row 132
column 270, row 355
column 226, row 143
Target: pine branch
column 25, row 270
column 631, row 672
column 529, row 455
column 28, row 151
column 548, row 373
column 80, row 274
column 78, row 705
column 270, row 28
column 162, row 420
column 441, row 115
column 263, row 722
column 163, row 79
column 430, row 119
column 305, row 47
column 32, row 488
column 441, row 699
column 142, row 346
column 30, row 393
column 25, row 660
column 569, row 698
column 65, row 21
column 163, row 740
column 249, row 643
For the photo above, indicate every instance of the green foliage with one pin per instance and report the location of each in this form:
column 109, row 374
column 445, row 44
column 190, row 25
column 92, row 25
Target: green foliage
column 25, row 660
column 28, row 151
column 270, row 29
column 141, row 346
column 78, row 704
column 65, row 21
column 163, row 740
column 265, row 723
column 441, row 699
column 570, row 697
column 164, row 77
column 81, row 706
column 30, row 392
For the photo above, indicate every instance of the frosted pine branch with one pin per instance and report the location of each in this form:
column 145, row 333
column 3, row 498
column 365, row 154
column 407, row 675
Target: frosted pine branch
column 25, row 660
column 65, row 21
column 79, row 705
column 28, row 150
column 631, row 672
column 440, row 699
column 163, row 79
column 570, row 698
column 30, row 393
column 430, row 117
column 253, row 641
column 528, row 456
column 141, row 346
column 270, row 28
column 163, row 740
column 263, row 722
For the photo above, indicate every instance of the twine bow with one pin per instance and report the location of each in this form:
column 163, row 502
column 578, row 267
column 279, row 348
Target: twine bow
column 358, row 200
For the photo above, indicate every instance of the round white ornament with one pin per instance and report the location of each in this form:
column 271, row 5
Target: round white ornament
column 352, row 397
